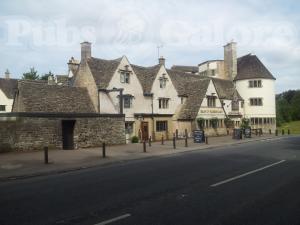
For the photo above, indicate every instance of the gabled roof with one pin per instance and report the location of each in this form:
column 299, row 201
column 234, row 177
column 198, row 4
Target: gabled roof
column 9, row 87
column 226, row 89
column 196, row 91
column 146, row 76
column 191, row 69
column 40, row 97
column 250, row 67
column 179, row 80
column 103, row 70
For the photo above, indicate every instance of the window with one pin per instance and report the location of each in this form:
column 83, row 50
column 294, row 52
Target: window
column 161, row 126
column 127, row 101
column 125, row 77
column 256, row 102
column 213, row 72
column 163, row 103
column 211, row 101
column 163, row 81
column 235, row 105
column 128, row 127
column 2, row 108
column 255, row 83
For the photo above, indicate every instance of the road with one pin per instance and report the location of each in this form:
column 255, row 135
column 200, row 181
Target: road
column 254, row 183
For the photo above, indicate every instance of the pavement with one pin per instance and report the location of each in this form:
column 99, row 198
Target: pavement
column 16, row 165
column 254, row 183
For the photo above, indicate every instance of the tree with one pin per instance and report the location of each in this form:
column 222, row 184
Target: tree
column 31, row 75
column 46, row 75
column 295, row 106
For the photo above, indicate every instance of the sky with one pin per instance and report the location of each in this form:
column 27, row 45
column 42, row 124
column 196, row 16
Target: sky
column 46, row 34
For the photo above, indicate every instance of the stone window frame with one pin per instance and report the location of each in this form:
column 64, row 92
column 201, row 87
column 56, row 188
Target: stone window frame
column 163, row 103
column 256, row 101
column 161, row 125
column 125, row 77
column 127, row 101
column 163, row 81
column 255, row 84
column 211, row 101
column 2, row 108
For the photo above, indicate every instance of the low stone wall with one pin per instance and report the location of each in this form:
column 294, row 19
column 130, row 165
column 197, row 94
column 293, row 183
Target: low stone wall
column 26, row 132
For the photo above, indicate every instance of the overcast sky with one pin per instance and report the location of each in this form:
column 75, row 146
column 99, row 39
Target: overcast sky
column 45, row 34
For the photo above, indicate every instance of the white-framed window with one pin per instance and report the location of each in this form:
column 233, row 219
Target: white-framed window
column 2, row 108
column 163, row 103
column 255, row 83
column 127, row 101
column 213, row 72
column 211, row 101
column 163, row 81
column 161, row 126
column 125, row 77
column 128, row 127
column 256, row 101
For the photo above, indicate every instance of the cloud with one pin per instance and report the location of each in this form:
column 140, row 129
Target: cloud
column 46, row 34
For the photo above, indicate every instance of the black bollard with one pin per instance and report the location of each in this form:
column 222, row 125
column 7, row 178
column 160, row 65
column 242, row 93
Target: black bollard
column 256, row 132
column 103, row 150
column 282, row 131
column 206, row 140
column 176, row 134
column 162, row 139
column 289, row 132
column 186, row 138
column 276, row 132
column 174, row 142
column 46, row 155
column 227, row 132
column 149, row 141
column 144, row 146
column 270, row 131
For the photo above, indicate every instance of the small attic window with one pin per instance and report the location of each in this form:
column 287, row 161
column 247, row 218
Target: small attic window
column 125, row 77
column 163, row 81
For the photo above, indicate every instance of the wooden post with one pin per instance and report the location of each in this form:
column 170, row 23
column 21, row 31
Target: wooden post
column 227, row 132
column 176, row 132
column 206, row 140
column 289, row 132
column 103, row 150
column 174, row 141
column 282, row 131
column 46, row 161
column 150, row 141
column 270, row 131
column 276, row 132
column 162, row 139
column 144, row 146
column 186, row 138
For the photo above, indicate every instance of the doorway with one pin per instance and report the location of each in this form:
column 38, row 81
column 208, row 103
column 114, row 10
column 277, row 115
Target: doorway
column 145, row 132
column 68, row 134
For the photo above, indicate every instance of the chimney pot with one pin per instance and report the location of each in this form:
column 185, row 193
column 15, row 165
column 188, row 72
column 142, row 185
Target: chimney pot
column 7, row 74
column 162, row 61
column 86, row 51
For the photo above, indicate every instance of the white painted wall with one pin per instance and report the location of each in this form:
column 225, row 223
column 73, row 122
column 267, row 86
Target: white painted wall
column 140, row 104
column 5, row 101
column 168, row 92
column 266, row 92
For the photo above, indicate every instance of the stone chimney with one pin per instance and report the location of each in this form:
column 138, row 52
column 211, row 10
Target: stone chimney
column 161, row 60
column 7, row 74
column 86, row 51
column 73, row 64
column 230, row 60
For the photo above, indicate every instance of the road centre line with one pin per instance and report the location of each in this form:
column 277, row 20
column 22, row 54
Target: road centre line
column 246, row 174
column 114, row 219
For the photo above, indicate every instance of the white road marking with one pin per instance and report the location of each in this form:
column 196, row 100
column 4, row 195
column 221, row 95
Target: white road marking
column 246, row 174
column 114, row 219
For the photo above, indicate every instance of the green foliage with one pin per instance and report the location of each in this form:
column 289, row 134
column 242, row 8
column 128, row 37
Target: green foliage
column 134, row 139
column 214, row 122
column 31, row 75
column 287, row 106
column 294, row 126
column 200, row 122
column 245, row 123
column 228, row 122
column 46, row 75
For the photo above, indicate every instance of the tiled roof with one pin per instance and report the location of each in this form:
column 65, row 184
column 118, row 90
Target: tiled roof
column 250, row 67
column 195, row 91
column 226, row 89
column 103, row 70
column 62, row 79
column 36, row 96
column 191, row 69
column 8, row 86
column 146, row 76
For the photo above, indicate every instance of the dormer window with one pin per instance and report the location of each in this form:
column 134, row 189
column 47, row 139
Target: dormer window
column 163, row 81
column 211, row 101
column 255, row 83
column 125, row 77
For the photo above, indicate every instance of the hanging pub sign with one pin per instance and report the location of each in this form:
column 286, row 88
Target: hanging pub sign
column 247, row 132
column 199, row 136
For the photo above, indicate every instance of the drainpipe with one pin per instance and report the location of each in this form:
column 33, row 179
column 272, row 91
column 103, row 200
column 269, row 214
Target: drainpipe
column 152, row 112
column 98, row 102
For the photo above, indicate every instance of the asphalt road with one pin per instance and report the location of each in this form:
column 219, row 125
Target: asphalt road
column 255, row 183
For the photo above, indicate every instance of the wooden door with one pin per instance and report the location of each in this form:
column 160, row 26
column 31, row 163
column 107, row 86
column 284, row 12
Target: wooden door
column 68, row 134
column 145, row 130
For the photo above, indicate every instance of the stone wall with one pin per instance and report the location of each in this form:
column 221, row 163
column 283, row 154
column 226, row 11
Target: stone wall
column 23, row 133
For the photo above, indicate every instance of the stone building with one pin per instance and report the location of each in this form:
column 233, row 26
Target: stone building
column 8, row 87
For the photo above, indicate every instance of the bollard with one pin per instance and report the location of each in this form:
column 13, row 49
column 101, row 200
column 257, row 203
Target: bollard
column 227, row 132
column 144, row 146
column 103, row 150
column 270, row 131
column 162, row 139
column 276, row 132
column 241, row 134
column 186, row 138
column 260, row 132
column 289, row 132
column 150, row 141
column 256, row 132
column 177, row 134
column 282, row 131
column 206, row 140
column 174, row 142
column 46, row 155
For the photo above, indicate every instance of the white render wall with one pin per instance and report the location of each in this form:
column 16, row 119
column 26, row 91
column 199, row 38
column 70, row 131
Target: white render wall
column 140, row 104
column 168, row 92
column 5, row 101
column 266, row 92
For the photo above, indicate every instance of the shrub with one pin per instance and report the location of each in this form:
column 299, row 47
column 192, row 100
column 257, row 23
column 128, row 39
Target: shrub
column 134, row 139
column 200, row 122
